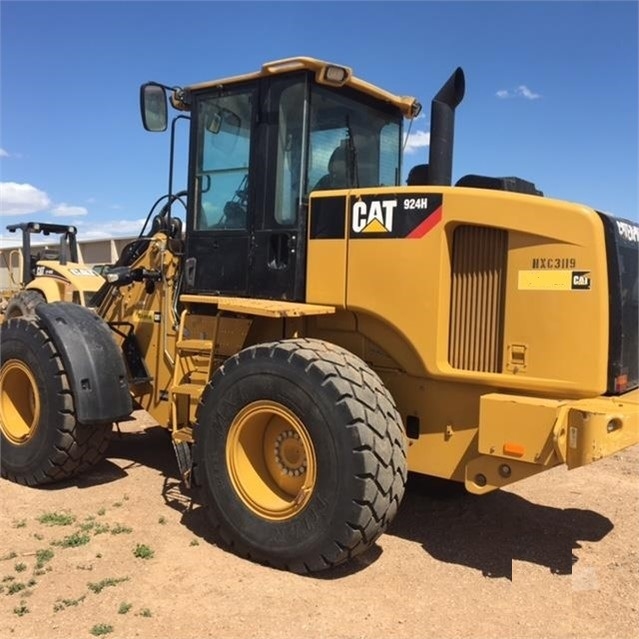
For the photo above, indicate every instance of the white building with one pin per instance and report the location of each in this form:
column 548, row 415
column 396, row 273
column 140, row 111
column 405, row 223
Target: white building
column 90, row 252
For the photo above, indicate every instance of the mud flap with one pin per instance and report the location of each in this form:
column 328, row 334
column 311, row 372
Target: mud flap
column 92, row 361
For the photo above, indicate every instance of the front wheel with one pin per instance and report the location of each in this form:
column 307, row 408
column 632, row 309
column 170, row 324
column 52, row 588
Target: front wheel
column 40, row 439
column 300, row 454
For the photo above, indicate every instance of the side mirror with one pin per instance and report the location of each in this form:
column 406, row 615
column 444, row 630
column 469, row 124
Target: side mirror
column 153, row 107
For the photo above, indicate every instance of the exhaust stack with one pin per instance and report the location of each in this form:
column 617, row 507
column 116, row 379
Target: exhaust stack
column 442, row 128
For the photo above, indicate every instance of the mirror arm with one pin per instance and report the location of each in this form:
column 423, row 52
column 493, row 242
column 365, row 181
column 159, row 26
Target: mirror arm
column 171, row 156
column 164, row 86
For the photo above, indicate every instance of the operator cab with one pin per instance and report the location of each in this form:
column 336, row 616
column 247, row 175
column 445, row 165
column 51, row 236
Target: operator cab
column 66, row 251
column 259, row 145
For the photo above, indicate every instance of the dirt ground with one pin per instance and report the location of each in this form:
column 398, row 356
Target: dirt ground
column 554, row 556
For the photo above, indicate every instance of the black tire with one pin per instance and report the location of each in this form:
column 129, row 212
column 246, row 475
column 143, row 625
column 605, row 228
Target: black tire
column 358, row 448
column 41, row 442
column 23, row 304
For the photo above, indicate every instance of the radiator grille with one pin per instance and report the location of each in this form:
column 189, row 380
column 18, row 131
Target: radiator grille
column 477, row 299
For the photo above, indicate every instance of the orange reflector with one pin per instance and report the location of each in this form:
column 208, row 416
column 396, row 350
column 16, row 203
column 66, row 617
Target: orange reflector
column 621, row 383
column 517, row 450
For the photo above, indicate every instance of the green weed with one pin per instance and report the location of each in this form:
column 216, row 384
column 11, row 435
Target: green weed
column 99, row 586
column 14, row 587
column 142, row 551
column 101, row 629
column 61, row 604
column 118, row 529
column 72, row 541
column 21, row 567
column 42, row 556
column 21, row 610
column 124, row 608
column 56, row 519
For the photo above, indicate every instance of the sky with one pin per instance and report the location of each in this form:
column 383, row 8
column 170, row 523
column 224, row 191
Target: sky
column 551, row 92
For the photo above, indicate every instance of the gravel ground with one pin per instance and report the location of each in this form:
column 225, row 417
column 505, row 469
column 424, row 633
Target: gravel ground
column 556, row 555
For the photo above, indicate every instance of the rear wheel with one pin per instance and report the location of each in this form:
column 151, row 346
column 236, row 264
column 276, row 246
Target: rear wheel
column 40, row 439
column 23, row 304
column 300, row 454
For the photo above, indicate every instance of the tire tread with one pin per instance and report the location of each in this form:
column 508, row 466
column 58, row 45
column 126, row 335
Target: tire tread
column 377, row 435
column 77, row 446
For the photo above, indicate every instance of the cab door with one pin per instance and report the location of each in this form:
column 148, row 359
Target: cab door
column 219, row 246
column 247, row 232
column 278, row 265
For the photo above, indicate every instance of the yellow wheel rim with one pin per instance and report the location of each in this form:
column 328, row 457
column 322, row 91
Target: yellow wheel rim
column 19, row 402
column 271, row 460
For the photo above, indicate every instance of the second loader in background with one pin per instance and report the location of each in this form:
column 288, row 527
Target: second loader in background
column 46, row 274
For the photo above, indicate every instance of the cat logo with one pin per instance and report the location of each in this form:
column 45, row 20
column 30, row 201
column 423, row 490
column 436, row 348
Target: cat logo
column 374, row 217
column 580, row 280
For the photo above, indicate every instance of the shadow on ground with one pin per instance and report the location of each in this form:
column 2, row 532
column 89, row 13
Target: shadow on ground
column 487, row 533
column 484, row 533
column 149, row 448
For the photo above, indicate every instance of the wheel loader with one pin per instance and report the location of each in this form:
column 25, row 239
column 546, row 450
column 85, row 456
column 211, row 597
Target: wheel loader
column 309, row 329
column 48, row 274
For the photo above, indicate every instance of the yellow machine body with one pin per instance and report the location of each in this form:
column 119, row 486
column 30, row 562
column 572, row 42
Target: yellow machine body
column 485, row 312
column 71, row 282
column 490, row 331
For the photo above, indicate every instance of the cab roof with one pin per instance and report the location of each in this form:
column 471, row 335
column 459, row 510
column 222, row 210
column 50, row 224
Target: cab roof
column 326, row 73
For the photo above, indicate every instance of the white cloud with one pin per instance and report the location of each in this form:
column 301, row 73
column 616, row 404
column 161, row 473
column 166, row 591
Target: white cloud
column 88, row 230
column 22, row 199
column 522, row 91
column 4, row 154
column 416, row 140
column 65, row 210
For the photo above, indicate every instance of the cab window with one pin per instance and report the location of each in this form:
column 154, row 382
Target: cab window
column 224, row 139
column 351, row 144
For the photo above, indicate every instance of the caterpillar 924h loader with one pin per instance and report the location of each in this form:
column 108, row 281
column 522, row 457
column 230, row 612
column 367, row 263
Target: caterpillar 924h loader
column 316, row 330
